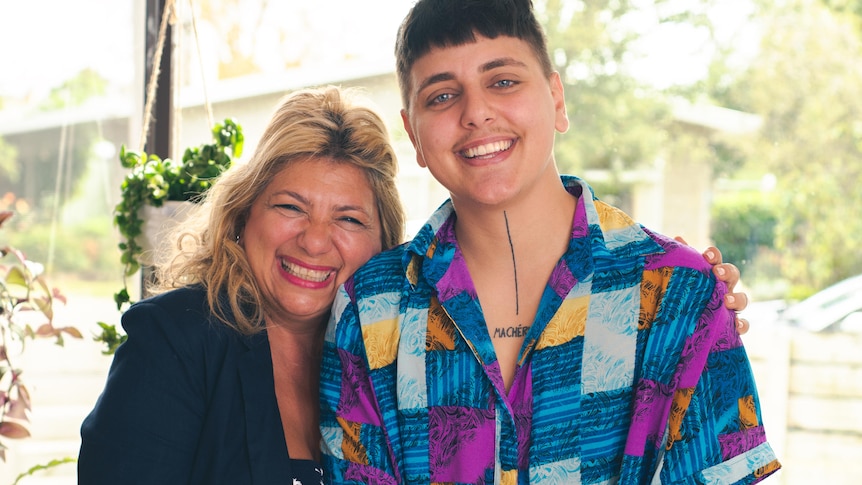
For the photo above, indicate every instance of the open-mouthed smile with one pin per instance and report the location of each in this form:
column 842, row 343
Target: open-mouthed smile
column 307, row 274
column 488, row 149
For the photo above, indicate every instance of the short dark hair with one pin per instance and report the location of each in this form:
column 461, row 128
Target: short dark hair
column 446, row 23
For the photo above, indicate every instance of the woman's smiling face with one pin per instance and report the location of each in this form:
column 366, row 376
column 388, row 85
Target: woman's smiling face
column 312, row 227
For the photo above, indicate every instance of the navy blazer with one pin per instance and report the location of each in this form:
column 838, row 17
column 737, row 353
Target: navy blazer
column 187, row 401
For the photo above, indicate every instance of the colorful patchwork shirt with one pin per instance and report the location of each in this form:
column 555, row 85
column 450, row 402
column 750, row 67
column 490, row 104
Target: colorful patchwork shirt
column 632, row 371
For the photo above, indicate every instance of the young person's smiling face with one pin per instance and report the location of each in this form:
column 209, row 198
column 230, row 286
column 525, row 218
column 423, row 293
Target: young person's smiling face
column 482, row 118
column 313, row 226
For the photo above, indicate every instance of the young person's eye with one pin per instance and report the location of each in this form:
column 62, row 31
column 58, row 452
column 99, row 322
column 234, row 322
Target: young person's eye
column 505, row 83
column 440, row 99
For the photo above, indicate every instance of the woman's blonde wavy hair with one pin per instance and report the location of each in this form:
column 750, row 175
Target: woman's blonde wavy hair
column 310, row 123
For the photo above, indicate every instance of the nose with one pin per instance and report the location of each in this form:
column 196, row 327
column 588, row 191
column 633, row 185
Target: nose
column 315, row 238
column 477, row 109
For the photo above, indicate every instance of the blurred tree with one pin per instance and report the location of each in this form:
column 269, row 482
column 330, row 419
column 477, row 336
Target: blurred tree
column 262, row 37
column 8, row 156
column 618, row 121
column 8, row 162
column 808, row 90
column 742, row 225
column 73, row 92
column 28, row 166
column 851, row 8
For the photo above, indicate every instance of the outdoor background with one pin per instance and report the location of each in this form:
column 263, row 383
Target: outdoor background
column 735, row 123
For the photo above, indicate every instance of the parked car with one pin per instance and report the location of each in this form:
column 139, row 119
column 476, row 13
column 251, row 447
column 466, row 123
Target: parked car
column 837, row 308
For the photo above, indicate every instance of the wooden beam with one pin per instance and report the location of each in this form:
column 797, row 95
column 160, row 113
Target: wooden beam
column 159, row 134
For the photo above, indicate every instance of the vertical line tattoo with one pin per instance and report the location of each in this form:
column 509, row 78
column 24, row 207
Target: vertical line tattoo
column 514, row 265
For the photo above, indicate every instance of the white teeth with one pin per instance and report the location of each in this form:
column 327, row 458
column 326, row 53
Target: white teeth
column 481, row 150
column 305, row 273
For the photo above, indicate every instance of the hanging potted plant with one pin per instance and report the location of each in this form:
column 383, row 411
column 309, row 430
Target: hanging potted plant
column 154, row 183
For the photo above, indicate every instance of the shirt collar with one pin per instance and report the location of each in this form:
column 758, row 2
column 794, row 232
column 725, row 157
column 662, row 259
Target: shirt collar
column 611, row 231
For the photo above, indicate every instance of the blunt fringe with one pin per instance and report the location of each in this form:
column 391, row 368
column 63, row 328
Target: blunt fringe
column 447, row 23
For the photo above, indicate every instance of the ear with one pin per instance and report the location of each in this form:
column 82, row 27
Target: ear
column 405, row 119
column 561, row 117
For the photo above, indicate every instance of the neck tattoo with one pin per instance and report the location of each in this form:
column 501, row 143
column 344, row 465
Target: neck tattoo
column 514, row 265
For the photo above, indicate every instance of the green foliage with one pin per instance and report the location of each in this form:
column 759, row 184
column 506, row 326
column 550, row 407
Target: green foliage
column 801, row 85
column 34, row 176
column 110, row 337
column 153, row 181
column 9, row 162
column 86, row 249
column 852, row 9
column 617, row 121
column 25, row 300
column 810, row 99
column 38, row 468
column 742, row 226
column 87, row 84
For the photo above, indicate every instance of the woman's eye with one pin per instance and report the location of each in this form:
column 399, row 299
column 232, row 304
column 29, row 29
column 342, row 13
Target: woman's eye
column 289, row 207
column 352, row 221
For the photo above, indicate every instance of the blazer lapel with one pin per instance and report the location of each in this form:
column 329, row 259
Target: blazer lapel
column 267, row 450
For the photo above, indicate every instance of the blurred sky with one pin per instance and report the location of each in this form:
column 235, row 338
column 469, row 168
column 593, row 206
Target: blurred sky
column 45, row 42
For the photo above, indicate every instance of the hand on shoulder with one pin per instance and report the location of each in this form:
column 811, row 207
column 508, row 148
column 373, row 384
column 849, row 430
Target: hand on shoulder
column 729, row 274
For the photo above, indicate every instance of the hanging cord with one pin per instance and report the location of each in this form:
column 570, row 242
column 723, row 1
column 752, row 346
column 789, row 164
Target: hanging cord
column 61, row 168
column 207, row 104
column 152, row 84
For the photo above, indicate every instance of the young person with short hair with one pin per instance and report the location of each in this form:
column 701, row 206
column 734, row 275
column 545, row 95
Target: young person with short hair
column 530, row 333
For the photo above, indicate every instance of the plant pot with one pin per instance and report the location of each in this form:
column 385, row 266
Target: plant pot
column 156, row 232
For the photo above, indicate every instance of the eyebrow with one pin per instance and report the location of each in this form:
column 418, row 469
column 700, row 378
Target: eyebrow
column 501, row 62
column 488, row 66
column 286, row 192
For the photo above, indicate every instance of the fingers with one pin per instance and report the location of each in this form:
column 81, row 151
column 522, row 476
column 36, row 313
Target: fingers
column 742, row 325
column 712, row 255
column 728, row 273
column 736, row 301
